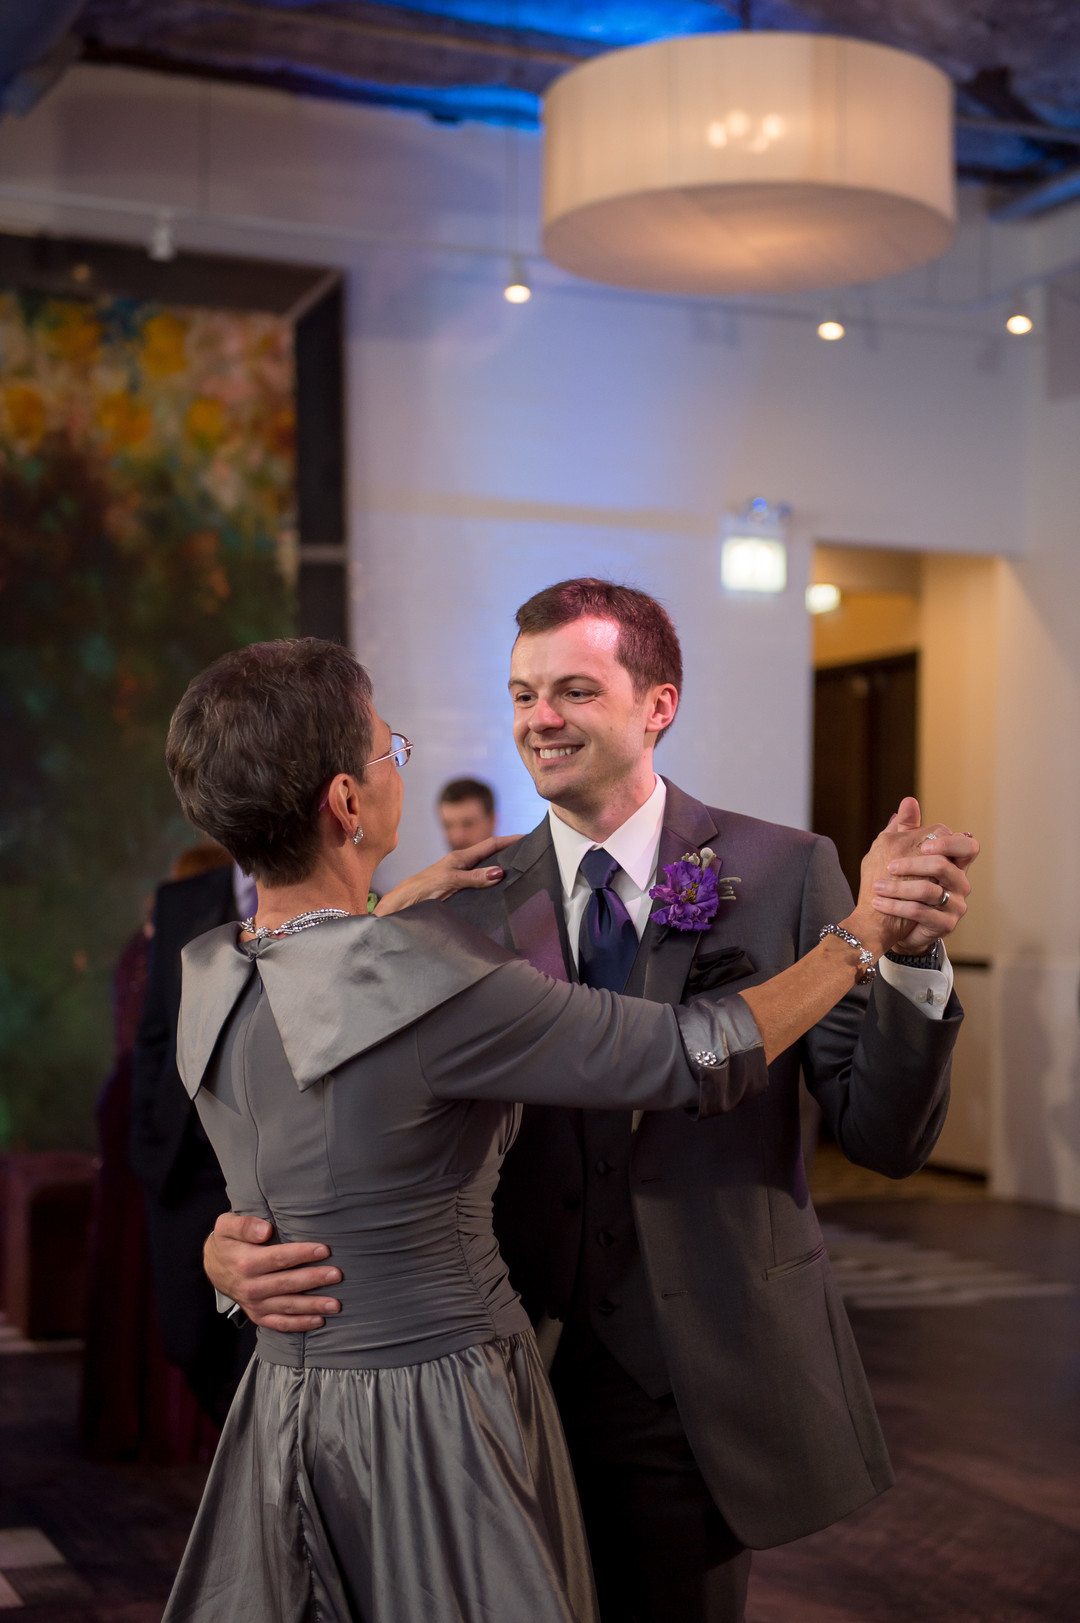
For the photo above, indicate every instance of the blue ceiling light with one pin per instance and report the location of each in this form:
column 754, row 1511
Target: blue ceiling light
column 602, row 24
column 610, row 23
column 450, row 104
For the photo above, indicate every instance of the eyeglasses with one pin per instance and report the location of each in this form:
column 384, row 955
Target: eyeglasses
column 399, row 754
column 399, row 751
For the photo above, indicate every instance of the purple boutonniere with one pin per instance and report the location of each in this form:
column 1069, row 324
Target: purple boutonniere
column 693, row 891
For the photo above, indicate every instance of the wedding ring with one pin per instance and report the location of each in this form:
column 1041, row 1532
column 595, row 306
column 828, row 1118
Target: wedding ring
column 944, row 902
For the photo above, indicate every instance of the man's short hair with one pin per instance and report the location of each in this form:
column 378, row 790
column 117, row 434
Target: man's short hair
column 256, row 739
column 459, row 789
column 648, row 645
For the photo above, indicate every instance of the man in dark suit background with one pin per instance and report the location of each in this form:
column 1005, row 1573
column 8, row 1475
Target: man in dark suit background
column 170, row 1153
column 711, row 1391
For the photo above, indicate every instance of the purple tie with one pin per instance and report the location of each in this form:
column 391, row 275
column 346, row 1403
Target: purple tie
column 607, row 942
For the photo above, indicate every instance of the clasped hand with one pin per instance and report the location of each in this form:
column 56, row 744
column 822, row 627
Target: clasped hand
column 907, row 879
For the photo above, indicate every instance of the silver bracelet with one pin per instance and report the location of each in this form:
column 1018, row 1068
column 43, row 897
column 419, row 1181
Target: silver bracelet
column 867, row 966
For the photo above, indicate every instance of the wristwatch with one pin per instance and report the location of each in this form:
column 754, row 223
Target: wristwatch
column 924, row 960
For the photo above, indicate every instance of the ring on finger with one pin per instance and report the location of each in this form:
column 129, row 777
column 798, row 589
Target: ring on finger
column 944, row 902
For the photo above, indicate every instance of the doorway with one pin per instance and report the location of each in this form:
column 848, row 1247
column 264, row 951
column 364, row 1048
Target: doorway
column 896, row 625
column 865, row 751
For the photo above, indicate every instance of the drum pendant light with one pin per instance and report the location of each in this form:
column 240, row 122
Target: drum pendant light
column 748, row 163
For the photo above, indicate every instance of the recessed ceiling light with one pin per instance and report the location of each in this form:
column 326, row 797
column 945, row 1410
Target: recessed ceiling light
column 822, row 599
column 517, row 289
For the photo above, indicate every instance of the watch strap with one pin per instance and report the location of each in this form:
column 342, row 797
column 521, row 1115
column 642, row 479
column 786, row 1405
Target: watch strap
column 922, row 960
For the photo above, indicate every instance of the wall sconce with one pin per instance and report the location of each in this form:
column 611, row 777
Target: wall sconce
column 753, row 553
column 162, row 243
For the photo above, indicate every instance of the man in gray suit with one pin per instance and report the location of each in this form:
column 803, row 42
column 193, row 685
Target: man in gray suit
column 712, row 1394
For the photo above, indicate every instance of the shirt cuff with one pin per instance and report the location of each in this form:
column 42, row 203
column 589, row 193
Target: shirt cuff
column 928, row 989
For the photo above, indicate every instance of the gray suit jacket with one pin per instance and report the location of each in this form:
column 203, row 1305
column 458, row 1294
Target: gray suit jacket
column 760, row 1354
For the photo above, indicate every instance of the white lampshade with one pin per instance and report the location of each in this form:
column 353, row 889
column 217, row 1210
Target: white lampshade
column 748, row 162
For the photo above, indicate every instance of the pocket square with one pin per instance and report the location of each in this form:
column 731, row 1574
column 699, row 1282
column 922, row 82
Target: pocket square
column 713, row 969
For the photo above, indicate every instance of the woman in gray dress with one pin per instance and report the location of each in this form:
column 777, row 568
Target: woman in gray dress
column 359, row 1078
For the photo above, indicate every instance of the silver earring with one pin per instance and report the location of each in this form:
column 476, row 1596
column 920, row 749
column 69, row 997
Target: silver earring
column 358, row 836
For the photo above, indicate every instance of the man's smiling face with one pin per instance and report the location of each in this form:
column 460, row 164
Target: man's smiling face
column 579, row 726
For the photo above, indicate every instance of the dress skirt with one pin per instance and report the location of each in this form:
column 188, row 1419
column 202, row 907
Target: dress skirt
column 438, row 1492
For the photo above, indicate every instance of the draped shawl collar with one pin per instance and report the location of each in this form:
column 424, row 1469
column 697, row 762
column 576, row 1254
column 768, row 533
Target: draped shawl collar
column 334, row 991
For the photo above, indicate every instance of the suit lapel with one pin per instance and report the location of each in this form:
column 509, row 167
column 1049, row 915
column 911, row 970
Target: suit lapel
column 537, row 919
column 664, row 958
column 535, row 912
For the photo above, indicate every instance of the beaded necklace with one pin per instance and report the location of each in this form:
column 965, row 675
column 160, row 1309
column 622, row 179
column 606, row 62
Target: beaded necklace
column 302, row 921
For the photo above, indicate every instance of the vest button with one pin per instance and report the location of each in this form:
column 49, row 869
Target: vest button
column 602, row 1167
column 605, row 1307
column 571, row 1202
column 604, row 1238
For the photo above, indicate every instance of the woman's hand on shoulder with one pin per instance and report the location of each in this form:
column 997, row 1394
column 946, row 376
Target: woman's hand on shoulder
column 458, row 870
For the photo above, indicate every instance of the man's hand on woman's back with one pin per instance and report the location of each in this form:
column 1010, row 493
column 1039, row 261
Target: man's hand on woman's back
column 270, row 1282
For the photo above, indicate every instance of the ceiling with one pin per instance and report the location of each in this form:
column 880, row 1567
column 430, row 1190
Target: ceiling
column 1015, row 63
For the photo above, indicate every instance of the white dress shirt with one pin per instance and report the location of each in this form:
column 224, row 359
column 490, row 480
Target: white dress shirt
column 635, row 845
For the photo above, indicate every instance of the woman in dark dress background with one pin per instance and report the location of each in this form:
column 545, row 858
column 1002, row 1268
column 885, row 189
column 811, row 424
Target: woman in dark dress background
column 135, row 1405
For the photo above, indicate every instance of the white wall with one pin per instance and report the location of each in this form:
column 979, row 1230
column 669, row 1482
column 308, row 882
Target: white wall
column 1037, row 870
column 495, row 449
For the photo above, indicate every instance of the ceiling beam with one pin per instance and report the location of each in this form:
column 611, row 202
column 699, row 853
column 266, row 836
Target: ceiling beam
column 1031, row 132
column 1048, row 194
column 376, row 45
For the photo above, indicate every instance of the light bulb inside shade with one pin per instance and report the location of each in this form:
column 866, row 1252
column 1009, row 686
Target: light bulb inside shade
column 822, row 599
column 1019, row 323
column 830, row 331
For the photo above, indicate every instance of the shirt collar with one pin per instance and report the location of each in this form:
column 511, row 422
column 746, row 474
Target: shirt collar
column 634, row 845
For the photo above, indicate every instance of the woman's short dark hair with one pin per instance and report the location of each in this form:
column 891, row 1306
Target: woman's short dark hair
column 648, row 645
column 255, row 740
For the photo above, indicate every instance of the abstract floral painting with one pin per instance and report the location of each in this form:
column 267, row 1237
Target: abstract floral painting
column 147, row 495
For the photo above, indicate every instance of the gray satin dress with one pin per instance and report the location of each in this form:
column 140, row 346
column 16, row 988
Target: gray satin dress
column 360, row 1082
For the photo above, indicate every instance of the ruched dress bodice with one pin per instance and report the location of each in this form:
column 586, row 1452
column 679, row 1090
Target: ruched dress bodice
column 396, row 1182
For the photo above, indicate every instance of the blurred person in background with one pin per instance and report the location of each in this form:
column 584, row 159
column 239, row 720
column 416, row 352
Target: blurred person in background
column 170, row 1154
column 135, row 1404
column 466, row 811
